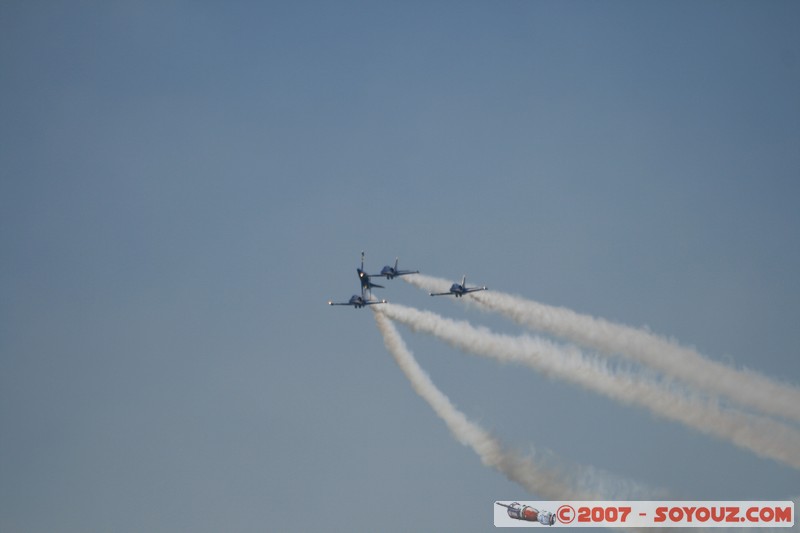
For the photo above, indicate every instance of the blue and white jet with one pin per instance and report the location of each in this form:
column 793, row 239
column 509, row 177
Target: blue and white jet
column 390, row 272
column 358, row 302
column 459, row 289
column 363, row 278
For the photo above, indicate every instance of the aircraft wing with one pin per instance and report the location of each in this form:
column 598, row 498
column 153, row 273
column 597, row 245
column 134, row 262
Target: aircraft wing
column 339, row 303
column 474, row 289
column 441, row 293
column 375, row 302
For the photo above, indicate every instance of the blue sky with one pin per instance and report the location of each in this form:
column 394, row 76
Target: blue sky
column 184, row 185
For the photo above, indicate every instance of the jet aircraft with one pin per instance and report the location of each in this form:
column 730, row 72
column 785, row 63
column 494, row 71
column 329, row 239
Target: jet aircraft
column 390, row 272
column 459, row 290
column 363, row 278
column 358, row 302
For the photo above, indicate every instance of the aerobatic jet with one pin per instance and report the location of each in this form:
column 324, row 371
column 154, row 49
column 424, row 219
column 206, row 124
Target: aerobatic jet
column 459, row 290
column 390, row 272
column 363, row 278
column 358, row 302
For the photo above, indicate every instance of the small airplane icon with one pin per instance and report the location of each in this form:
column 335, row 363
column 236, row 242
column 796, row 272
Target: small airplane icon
column 363, row 277
column 390, row 272
column 459, row 290
column 529, row 514
column 358, row 302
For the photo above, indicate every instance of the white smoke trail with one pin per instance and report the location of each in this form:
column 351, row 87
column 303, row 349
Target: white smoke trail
column 764, row 436
column 745, row 387
column 553, row 481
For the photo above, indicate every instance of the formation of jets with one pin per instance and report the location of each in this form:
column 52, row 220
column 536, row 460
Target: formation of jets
column 390, row 272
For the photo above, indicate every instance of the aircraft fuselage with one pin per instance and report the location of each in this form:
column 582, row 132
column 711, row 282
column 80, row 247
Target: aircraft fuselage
column 389, row 272
column 457, row 290
column 364, row 279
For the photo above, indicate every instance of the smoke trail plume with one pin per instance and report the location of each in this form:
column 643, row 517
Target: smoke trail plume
column 546, row 481
column 764, row 436
column 745, row 387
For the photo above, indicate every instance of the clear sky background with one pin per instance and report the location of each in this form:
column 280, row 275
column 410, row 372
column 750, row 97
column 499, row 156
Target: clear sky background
column 184, row 185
